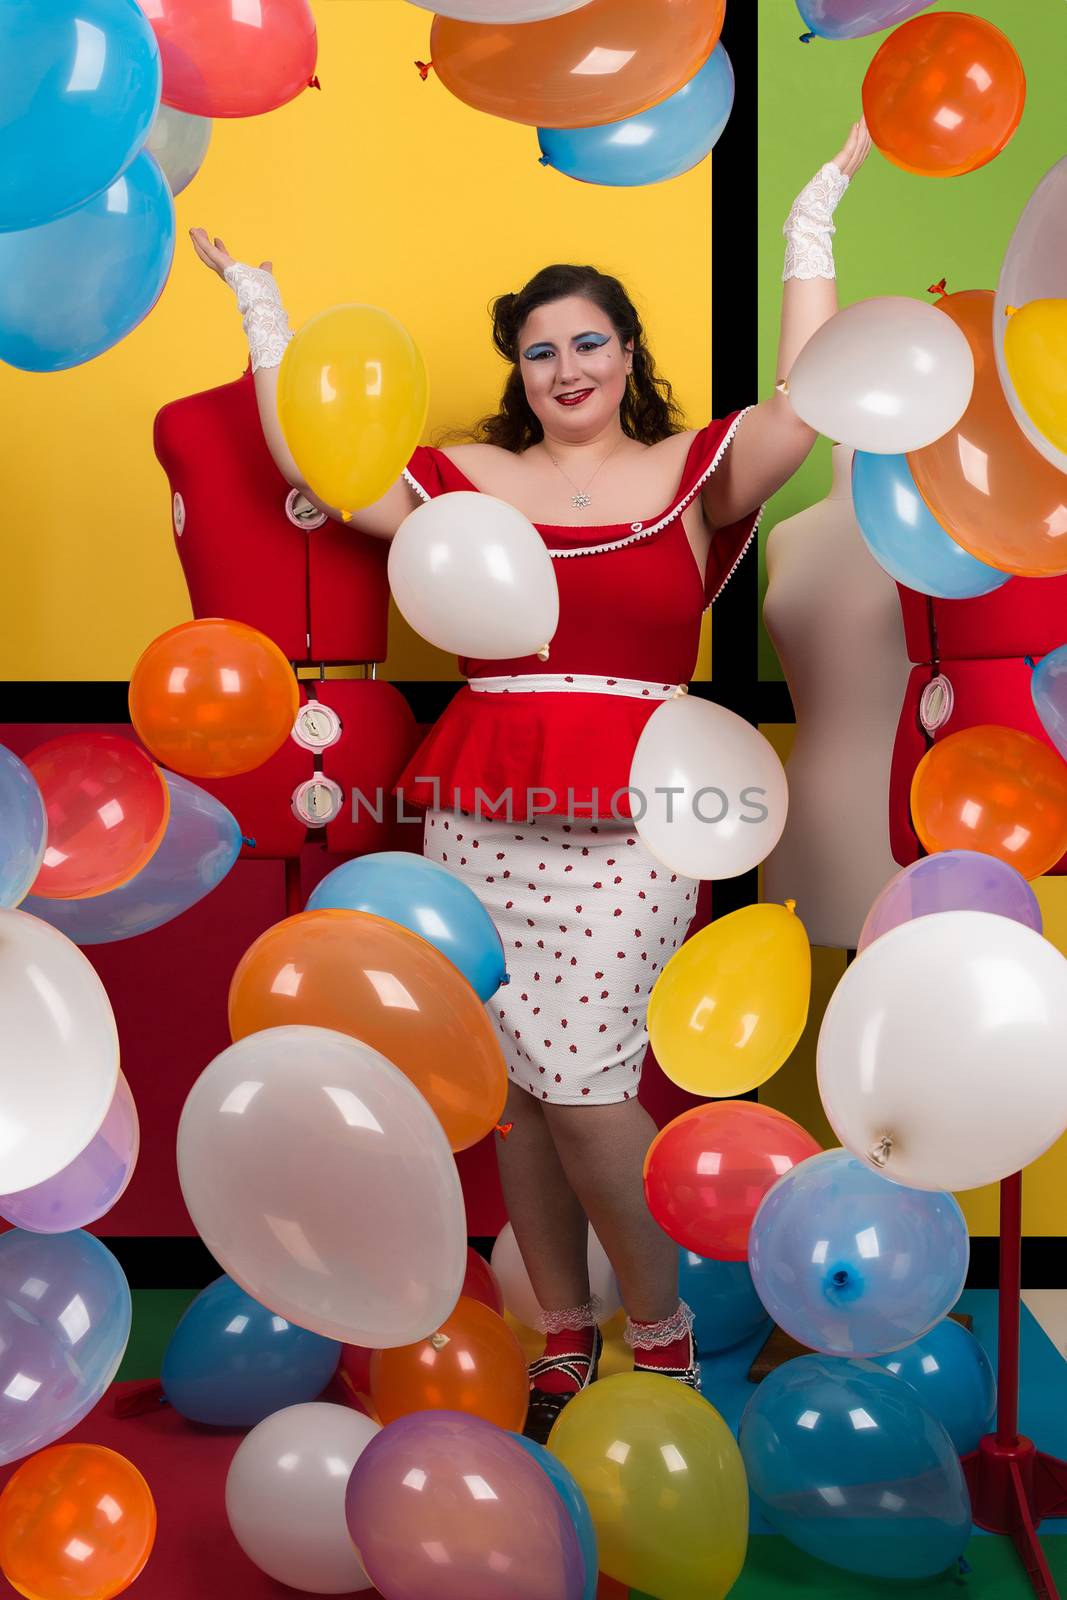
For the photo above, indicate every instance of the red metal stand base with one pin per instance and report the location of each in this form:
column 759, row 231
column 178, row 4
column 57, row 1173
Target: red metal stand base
column 1013, row 1488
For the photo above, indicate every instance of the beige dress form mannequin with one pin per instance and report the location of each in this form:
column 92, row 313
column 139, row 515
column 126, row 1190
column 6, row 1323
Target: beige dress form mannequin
column 834, row 618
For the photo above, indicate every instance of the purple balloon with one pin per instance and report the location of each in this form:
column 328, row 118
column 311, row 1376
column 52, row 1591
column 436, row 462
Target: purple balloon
column 91, row 1184
column 852, row 19
column 445, row 1504
column 952, row 880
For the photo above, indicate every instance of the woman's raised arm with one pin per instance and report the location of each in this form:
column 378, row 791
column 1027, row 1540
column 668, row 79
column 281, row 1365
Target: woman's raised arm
column 773, row 441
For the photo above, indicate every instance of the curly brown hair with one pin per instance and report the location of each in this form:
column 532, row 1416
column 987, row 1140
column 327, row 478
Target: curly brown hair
column 649, row 411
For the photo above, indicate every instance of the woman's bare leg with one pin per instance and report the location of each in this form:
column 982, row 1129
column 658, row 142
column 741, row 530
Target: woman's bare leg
column 550, row 1225
column 602, row 1151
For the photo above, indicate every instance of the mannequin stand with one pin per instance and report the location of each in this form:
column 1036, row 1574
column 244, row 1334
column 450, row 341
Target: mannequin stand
column 1013, row 1485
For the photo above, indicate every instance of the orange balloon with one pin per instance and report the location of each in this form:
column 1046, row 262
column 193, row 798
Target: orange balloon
column 607, row 60
column 108, row 809
column 77, row 1521
column 371, row 978
column 944, row 94
column 473, row 1363
column 983, row 480
column 996, row 790
column 213, row 698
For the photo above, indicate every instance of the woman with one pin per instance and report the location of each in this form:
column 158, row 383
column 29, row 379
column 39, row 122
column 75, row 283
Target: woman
column 587, row 916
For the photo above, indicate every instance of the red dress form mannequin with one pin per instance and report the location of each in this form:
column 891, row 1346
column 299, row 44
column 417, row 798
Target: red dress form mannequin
column 321, row 592
column 970, row 669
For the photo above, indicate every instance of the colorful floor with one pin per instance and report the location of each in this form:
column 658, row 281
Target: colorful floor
column 196, row 1555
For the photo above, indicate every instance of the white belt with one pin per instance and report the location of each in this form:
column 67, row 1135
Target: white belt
column 581, row 682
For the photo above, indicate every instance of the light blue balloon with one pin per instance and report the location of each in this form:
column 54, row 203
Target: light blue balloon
column 201, row 843
column 1049, row 689
column 905, row 537
column 65, row 1315
column 231, row 1362
column 662, row 142
column 953, row 1377
column 425, row 897
column 23, row 829
column 566, row 1487
column 71, row 289
column 847, row 1463
column 724, row 1301
column 851, row 1264
column 79, row 86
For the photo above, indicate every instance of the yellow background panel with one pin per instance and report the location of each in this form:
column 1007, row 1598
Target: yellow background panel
column 382, row 189
column 794, row 1091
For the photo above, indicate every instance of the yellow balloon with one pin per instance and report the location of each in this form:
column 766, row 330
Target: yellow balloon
column 352, row 401
column 664, row 1481
column 729, row 1006
column 1035, row 348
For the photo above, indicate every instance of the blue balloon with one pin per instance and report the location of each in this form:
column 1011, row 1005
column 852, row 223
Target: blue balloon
column 1049, row 689
column 905, row 537
column 201, row 843
column 724, row 1301
column 662, row 142
column 65, row 1315
column 847, row 1463
column 232, row 1362
column 425, row 897
column 852, row 19
column 953, row 1378
column 79, row 84
column 851, row 1264
column 574, row 1500
column 71, row 289
column 23, row 829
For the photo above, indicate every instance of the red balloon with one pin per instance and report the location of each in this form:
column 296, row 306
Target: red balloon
column 482, row 1283
column 107, row 807
column 233, row 58
column 707, row 1171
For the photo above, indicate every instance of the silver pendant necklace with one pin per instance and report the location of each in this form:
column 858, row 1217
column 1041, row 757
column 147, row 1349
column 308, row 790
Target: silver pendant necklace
column 582, row 499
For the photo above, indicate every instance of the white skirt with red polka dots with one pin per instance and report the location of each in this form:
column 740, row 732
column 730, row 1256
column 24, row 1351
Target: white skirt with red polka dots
column 588, row 918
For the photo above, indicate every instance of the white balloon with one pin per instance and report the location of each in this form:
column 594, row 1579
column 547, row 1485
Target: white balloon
column 885, row 375
column 500, row 11
column 1035, row 268
column 322, row 1182
column 179, row 143
column 941, row 1055
column 731, row 798
column 474, row 577
column 59, row 1051
column 285, row 1496
column 517, row 1289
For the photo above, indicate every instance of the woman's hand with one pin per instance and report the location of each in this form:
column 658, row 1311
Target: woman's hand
column 857, row 149
column 215, row 255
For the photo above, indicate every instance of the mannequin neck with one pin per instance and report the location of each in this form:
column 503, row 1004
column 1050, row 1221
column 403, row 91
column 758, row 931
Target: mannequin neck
column 841, row 457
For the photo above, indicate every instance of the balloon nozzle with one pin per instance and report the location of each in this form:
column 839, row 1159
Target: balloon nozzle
column 439, row 1340
column 504, row 1128
column 938, row 288
column 791, row 905
column 251, row 843
column 879, row 1153
column 425, row 68
column 782, row 387
column 542, row 654
column 806, row 38
column 313, row 83
column 1009, row 311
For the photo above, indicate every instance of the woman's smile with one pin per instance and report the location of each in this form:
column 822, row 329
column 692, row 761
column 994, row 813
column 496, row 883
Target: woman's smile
column 574, row 397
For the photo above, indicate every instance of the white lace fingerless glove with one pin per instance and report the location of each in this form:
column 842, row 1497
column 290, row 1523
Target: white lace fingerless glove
column 809, row 226
column 266, row 324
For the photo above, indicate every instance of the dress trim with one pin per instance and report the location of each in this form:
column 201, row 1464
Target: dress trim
column 640, row 531
column 737, row 559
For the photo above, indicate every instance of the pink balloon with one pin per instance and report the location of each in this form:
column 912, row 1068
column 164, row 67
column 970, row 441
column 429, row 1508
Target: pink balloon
column 447, row 1505
column 91, row 1184
column 230, row 58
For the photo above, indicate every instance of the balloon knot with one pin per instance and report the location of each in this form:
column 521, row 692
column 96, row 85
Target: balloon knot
column 505, row 979
column 938, row 288
column 790, row 905
column 425, row 68
column 251, row 843
column 313, row 83
column 542, row 161
column 504, row 1128
column 806, row 38
column 542, row 654
column 879, row 1153
column 965, row 1567
column 439, row 1340
column 144, row 1398
column 346, row 516
column 1029, row 661
column 782, row 386
column 1009, row 311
